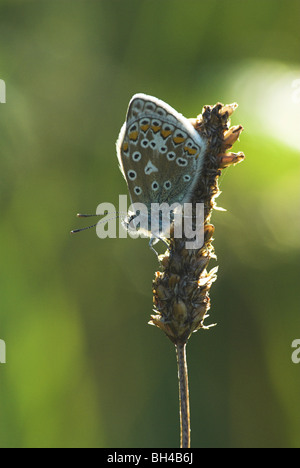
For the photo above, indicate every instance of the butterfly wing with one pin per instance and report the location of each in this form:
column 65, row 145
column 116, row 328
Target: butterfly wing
column 160, row 153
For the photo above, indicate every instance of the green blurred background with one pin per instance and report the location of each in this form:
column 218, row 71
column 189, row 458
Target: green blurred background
column 83, row 367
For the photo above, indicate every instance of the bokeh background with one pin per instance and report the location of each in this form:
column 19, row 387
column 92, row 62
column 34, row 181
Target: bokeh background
column 83, row 367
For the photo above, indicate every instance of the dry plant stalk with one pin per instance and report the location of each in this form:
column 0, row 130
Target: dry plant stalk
column 181, row 289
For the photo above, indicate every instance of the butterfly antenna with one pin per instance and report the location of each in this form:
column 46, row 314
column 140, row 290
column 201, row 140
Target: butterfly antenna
column 83, row 229
column 80, row 215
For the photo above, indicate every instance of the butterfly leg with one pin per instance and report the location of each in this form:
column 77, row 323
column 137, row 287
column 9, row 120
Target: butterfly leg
column 154, row 240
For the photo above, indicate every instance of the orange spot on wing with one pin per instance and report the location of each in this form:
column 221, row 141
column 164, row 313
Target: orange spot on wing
column 144, row 128
column 133, row 135
column 155, row 128
column 178, row 140
column 191, row 151
column 165, row 133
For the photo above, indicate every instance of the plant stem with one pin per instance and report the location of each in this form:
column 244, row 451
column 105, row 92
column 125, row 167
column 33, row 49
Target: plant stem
column 185, row 429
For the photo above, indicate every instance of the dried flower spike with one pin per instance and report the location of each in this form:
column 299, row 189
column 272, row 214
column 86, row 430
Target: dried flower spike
column 181, row 289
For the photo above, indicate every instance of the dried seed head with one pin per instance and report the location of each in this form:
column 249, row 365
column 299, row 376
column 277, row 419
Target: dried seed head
column 173, row 280
column 181, row 290
column 230, row 159
column 229, row 109
column 231, row 136
column 161, row 292
column 180, row 311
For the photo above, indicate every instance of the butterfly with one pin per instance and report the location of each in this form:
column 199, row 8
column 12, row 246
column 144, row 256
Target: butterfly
column 161, row 157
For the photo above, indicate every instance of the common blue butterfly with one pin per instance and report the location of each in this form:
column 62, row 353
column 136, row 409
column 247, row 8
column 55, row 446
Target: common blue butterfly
column 160, row 154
